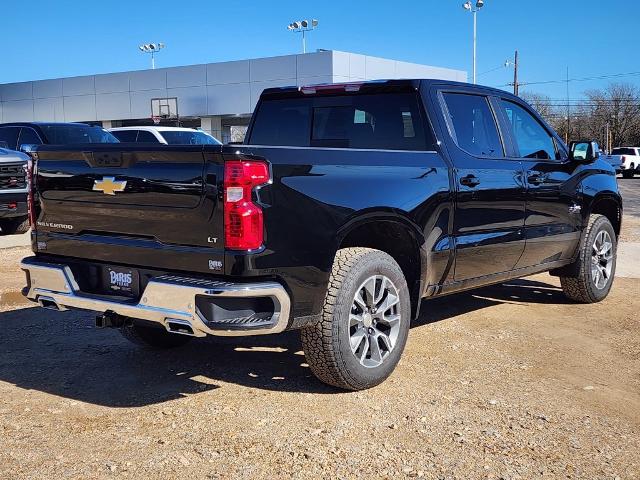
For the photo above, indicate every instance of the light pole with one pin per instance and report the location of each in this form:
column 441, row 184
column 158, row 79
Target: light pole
column 151, row 48
column 474, row 9
column 303, row 26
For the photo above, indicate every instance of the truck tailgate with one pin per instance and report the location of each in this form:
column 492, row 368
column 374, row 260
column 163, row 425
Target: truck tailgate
column 122, row 203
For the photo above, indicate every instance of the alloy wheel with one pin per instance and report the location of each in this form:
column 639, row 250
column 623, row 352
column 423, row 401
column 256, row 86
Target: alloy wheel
column 602, row 259
column 374, row 321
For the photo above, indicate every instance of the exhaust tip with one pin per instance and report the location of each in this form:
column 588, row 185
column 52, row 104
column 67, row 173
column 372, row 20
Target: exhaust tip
column 181, row 327
column 49, row 304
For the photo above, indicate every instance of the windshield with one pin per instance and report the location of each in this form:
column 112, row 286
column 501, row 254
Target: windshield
column 178, row 137
column 70, row 134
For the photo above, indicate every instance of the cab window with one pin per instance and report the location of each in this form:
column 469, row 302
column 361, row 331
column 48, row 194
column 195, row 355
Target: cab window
column 472, row 124
column 532, row 139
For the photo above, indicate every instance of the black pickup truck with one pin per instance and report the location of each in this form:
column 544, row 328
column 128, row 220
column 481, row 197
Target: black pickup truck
column 347, row 205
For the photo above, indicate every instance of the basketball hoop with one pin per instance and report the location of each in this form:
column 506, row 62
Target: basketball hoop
column 156, row 120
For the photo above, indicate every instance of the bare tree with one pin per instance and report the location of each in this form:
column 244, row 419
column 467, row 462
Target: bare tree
column 618, row 106
column 541, row 103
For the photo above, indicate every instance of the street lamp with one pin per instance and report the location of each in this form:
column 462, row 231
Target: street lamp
column 303, row 26
column 474, row 9
column 151, row 48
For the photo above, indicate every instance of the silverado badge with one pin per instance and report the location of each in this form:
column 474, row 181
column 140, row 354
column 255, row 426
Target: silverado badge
column 109, row 185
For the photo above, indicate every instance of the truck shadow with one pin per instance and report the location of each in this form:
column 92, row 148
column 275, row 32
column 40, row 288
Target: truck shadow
column 63, row 354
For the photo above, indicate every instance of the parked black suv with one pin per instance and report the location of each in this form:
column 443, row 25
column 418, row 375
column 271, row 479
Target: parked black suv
column 346, row 207
column 15, row 135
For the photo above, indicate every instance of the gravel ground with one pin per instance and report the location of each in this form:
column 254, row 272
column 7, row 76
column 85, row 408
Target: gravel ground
column 509, row 381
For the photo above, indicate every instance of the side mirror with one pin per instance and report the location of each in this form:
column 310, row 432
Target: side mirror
column 29, row 149
column 584, row 151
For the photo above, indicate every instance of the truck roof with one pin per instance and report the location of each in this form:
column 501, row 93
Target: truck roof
column 371, row 86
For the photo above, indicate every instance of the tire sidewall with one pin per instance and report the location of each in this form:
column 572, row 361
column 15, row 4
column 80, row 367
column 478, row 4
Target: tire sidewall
column 374, row 263
column 602, row 223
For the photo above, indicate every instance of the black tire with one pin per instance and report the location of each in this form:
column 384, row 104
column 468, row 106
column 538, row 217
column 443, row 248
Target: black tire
column 582, row 287
column 15, row 225
column 154, row 337
column 628, row 173
column 326, row 344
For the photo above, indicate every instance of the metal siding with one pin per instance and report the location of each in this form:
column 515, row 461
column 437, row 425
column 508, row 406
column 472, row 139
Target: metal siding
column 78, row 86
column 112, row 83
column 226, row 88
column 47, row 88
column 80, row 108
column 113, row 105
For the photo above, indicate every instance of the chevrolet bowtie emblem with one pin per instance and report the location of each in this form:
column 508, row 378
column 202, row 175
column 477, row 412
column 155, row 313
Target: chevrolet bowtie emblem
column 109, row 185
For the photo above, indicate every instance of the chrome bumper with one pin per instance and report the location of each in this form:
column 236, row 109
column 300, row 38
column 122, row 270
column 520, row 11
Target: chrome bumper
column 167, row 299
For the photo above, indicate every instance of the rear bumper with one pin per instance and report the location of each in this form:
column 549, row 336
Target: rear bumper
column 167, row 300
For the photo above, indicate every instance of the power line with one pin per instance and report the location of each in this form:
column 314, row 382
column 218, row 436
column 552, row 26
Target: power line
column 582, row 79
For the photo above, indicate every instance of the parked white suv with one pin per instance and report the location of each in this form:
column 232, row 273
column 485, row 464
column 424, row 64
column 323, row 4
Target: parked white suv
column 164, row 135
column 629, row 160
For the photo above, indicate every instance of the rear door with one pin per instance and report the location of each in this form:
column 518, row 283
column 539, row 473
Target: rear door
column 553, row 220
column 490, row 205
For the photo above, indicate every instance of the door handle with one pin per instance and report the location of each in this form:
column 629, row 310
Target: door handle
column 536, row 178
column 470, row 181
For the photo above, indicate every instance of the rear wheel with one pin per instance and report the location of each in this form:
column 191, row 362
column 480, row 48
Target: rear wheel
column 596, row 264
column 629, row 173
column 15, row 225
column 154, row 337
column 365, row 322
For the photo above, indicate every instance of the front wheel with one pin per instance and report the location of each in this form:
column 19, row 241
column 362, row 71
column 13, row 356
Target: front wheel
column 596, row 263
column 365, row 321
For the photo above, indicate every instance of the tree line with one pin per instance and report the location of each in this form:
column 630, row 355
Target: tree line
column 611, row 116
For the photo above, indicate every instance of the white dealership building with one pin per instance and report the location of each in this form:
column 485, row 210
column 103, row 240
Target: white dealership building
column 213, row 96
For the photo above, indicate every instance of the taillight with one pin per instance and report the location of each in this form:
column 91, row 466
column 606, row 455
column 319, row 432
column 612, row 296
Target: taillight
column 623, row 159
column 243, row 223
column 31, row 205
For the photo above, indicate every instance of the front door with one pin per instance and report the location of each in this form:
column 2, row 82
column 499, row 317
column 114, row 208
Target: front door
column 553, row 219
column 489, row 188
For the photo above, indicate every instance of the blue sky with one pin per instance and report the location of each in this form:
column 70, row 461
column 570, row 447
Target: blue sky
column 66, row 38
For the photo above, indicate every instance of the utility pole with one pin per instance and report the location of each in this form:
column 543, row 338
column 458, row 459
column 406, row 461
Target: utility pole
column 568, row 110
column 515, row 74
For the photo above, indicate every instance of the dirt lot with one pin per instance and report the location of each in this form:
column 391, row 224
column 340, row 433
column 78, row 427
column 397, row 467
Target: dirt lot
column 510, row 381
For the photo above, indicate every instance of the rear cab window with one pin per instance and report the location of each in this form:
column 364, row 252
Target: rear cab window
column 623, row 151
column 388, row 121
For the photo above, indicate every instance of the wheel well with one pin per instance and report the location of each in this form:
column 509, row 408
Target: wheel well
column 396, row 240
column 610, row 208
